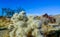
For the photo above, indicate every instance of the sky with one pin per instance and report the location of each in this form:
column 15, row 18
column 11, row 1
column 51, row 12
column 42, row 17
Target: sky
column 33, row 7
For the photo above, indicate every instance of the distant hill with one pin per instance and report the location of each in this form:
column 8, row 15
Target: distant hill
column 56, row 16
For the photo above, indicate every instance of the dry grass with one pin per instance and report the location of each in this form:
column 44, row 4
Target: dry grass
column 4, row 21
column 4, row 33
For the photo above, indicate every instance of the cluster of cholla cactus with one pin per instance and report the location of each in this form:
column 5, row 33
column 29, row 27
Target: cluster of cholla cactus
column 24, row 26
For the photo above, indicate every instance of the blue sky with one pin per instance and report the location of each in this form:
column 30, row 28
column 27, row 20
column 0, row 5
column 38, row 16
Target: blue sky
column 34, row 7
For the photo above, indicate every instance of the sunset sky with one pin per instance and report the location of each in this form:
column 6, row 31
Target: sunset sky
column 34, row 7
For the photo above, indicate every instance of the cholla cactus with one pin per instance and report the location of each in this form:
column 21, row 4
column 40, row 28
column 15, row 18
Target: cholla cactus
column 22, row 16
column 58, row 20
column 12, row 28
column 44, row 20
column 19, row 23
column 30, row 19
column 36, row 33
column 35, row 24
column 20, row 32
column 14, row 18
column 20, row 29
